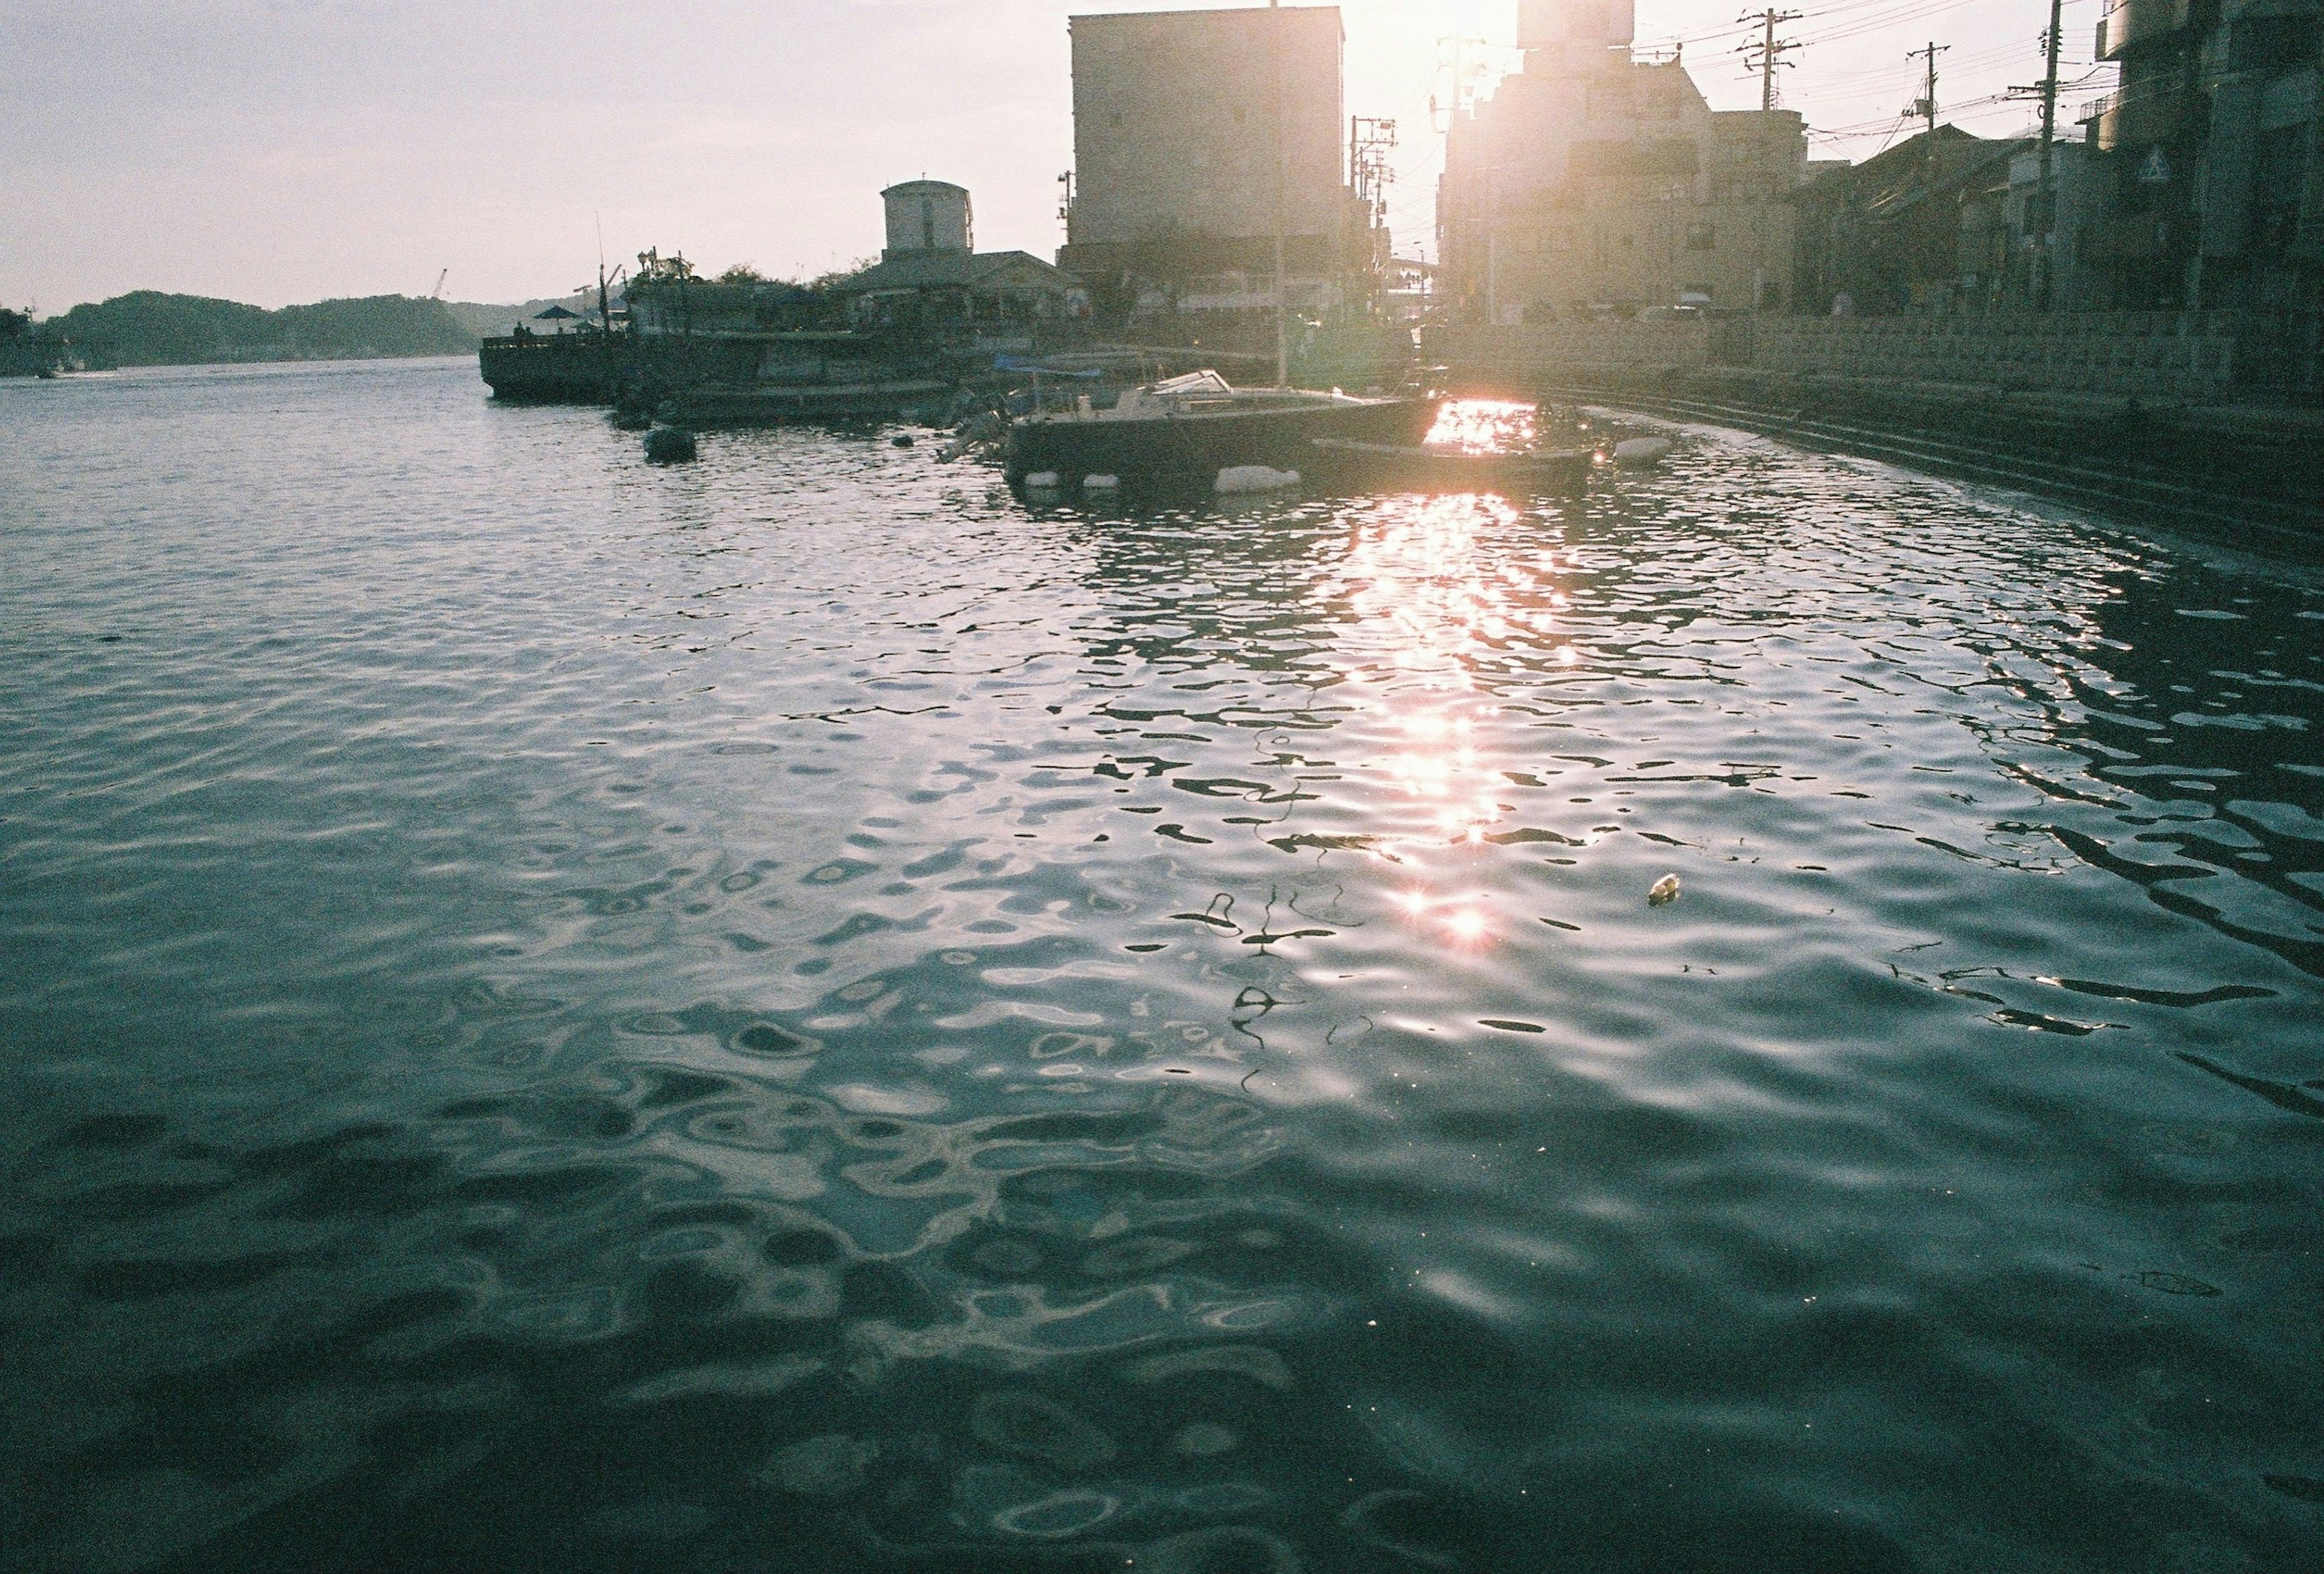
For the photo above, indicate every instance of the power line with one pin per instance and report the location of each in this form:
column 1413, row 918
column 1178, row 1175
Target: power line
column 1765, row 55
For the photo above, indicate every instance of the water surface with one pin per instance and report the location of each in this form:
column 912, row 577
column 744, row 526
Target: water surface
column 797, row 1012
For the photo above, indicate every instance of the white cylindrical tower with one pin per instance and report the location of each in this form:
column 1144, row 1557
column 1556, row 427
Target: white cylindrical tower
column 927, row 215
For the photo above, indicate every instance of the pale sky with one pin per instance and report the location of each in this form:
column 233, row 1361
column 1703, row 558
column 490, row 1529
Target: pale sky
column 281, row 151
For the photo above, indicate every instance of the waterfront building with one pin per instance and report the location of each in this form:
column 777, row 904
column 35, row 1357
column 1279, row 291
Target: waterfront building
column 1197, row 134
column 2074, row 193
column 1925, row 226
column 932, row 289
column 930, row 275
column 2207, row 158
column 666, row 305
column 1591, row 181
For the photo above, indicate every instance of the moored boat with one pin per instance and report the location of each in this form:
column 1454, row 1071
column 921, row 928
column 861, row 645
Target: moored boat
column 1339, row 462
column 1195, row 426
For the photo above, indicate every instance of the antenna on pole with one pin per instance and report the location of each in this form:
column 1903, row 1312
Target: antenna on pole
column 1764, row 55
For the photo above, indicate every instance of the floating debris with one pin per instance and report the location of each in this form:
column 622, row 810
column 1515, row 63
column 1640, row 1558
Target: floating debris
column 1639, row 453
column 1242, row 479
column 1662, row 892
column 1101, row 484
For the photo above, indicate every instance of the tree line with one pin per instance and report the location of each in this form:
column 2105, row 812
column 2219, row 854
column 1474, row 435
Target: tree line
column 147, row 327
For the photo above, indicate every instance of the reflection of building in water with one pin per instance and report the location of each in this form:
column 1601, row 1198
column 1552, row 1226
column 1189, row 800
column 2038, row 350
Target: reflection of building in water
column 1589, row 179
column 1177, row 149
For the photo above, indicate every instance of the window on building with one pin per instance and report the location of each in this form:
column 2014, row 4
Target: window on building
column 2281, row 170
column 2266, row 43
column 1702, row 237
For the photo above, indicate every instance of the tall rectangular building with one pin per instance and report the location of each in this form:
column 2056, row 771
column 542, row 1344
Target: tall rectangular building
column 1182, row 121
column 1589, row 181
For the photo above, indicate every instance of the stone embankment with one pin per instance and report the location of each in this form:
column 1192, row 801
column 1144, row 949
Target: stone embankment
column 2214, row 417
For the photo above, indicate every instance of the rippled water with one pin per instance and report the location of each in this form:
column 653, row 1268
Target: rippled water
column 795, row 1013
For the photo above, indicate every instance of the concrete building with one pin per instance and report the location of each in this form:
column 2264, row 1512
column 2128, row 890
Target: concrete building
column 1590, row 180
column 2209, row 162
column 1195, row 132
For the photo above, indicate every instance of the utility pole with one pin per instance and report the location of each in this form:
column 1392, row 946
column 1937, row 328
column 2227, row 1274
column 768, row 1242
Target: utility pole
column 1765, row 54
column 1282, row 286
column 1926, row 105
column 2042, row 192
column 1461, row 79
column 2041, row 209
column 1370, row 172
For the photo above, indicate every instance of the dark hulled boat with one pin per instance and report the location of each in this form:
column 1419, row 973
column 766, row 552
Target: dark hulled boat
column 1523, row 473
column 1193, row 427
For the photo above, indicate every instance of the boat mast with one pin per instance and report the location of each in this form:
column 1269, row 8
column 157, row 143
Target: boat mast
column 1282, row 290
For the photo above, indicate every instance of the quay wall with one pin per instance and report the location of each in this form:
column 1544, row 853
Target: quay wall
column 2190, row 417
column 2168, row 356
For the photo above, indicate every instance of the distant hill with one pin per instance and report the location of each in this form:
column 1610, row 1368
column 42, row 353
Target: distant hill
column 149, row 328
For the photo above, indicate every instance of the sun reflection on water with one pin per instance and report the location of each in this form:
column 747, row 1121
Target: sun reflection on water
column 1485, row 426
column 1443, row 593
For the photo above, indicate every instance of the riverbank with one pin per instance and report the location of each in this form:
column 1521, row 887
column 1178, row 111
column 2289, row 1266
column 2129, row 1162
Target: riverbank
column 2206, row 416
column 2226, row 465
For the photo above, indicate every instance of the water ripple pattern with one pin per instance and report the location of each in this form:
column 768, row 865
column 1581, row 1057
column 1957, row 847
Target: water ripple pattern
column 795, row 1012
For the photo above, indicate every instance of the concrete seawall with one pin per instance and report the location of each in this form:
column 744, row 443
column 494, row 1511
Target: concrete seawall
column 2209, row 417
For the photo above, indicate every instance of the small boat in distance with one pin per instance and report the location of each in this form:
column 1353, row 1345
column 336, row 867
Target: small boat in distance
column 1193, row 427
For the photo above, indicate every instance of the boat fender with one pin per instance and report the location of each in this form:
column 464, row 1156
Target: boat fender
column 1240, row 479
